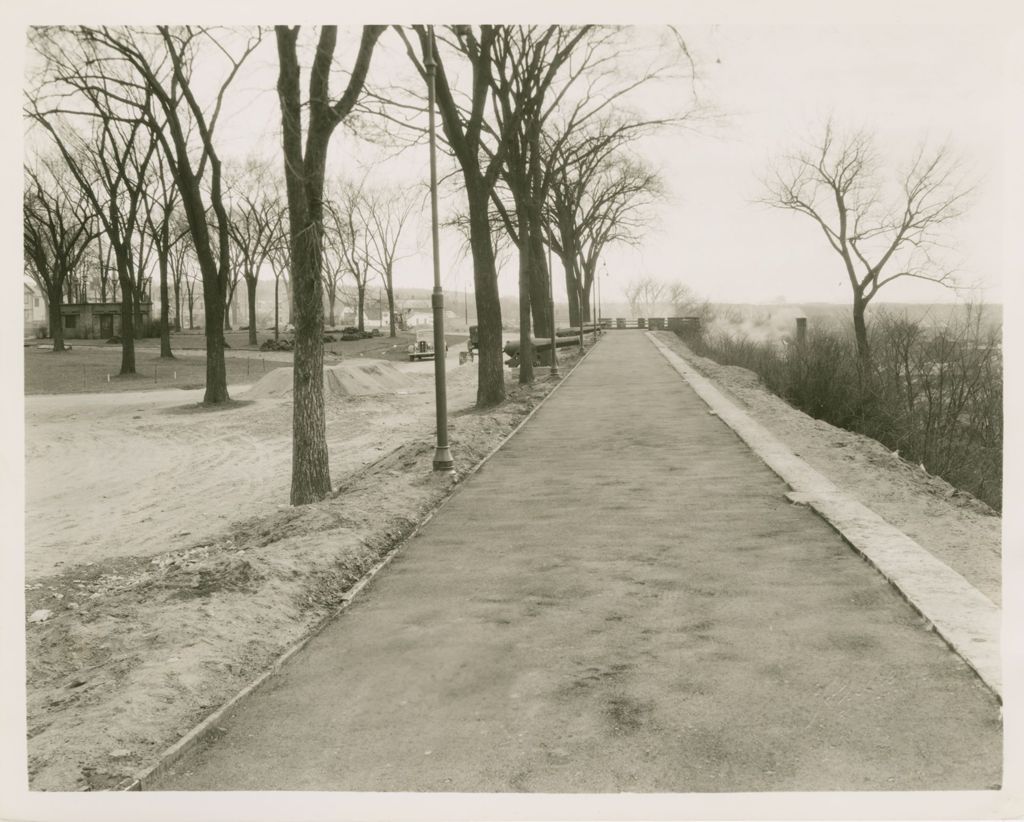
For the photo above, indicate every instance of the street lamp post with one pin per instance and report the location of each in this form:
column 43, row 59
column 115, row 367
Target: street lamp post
column 442, row 454
column 581, row 304
column 551, row 301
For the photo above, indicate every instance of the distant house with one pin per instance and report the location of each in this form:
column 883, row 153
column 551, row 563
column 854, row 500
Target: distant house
column 99, row 320
column 346, row 317
column 417, row 319
column 35, row 306
column 419, row 313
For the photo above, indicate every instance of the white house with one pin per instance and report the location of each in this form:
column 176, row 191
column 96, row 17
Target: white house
column 418, row 313
column 35, row 306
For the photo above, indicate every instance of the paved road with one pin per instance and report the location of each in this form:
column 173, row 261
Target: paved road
column 661, row 619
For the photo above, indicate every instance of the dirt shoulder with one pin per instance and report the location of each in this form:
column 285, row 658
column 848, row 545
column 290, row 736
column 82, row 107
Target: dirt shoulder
column 191, row 577
column 954, row 526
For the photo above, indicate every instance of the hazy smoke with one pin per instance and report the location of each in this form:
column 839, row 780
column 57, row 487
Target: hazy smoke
column 756, row 323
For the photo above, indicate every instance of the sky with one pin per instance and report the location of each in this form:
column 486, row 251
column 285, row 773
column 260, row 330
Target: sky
column 771, row 88
column 775, row 87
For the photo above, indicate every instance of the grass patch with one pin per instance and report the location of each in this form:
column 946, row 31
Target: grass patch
column 94, row 369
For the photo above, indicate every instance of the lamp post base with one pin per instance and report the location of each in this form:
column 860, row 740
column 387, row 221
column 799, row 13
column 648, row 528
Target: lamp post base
column 443, row 459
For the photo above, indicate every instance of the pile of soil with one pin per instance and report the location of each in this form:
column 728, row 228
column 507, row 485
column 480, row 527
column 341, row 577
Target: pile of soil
column 362, row 378
column 283, row 344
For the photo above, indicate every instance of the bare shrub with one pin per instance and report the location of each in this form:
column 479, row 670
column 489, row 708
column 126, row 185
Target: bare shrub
column 933, row 395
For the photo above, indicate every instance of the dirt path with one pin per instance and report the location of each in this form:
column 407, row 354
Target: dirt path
column 136, row 474
column 662, row 619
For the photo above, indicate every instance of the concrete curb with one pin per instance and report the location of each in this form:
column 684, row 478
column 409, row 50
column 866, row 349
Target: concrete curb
column 207, row 726
column 967, row 620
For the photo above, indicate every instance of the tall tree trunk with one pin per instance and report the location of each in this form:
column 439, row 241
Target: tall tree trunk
column 250, row 287
column 311, row 480
column 332, row 298
column 277, row 308
column 127, row 324
column 137, row 324
column 539, row 290
column 304, row 182
column 291, row 301
column 56, row 321
column 177, row 302
column 525, row 341
column 588, row 284
column 165, row 311
column 361, row 298
column 860, row 328
column 490, row 388
column 216, row 369
column 572, row 295
column 392, row 331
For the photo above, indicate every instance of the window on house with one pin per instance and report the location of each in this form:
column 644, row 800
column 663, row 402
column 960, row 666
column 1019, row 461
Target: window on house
column 70, row 321
column 35, row 302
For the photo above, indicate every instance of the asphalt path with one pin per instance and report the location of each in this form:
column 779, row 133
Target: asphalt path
column 622, row 599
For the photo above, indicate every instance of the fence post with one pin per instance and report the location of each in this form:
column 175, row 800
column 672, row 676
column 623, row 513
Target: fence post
column 801, row 330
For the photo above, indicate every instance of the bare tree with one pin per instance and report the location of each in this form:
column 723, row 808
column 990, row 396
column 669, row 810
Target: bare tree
column 279, row 258
column 110, row 165
column 180, row 250
column 350, row 244
column 58, row 226
column 599, row 200
column 184, row 273
column 527, row 62
column 253, row 214
column 158, row 206
column 304, row 171
column 685, row 302
column 498, row 88
column 644, row 294
column 153, row 68
column 106, row 284
column 467, row 131
column 339, row 238
column 386, row 214
column 881, row 232
column 561, row 81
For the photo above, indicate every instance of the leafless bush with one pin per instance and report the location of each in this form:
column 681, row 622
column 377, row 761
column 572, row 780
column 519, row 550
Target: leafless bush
column 933, row 395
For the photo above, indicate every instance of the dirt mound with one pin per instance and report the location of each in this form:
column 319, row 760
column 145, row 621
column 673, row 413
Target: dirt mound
column 355, row 378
